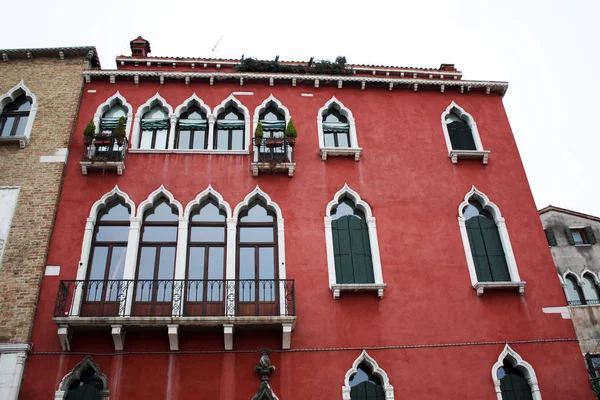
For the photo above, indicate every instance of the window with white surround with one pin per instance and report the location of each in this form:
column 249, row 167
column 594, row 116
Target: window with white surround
column 232, row 130
column 18, row 108
column 154, row 124
column 353, row 260
column 83, row 382
column 108, row 114
column 487, row 246
column 462, row 135
column 514, row 378
column 366, row 381
column 337, row 131
column 8, row 204
column 194, row 125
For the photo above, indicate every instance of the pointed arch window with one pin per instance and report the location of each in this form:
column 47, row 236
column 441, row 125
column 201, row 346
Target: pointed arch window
column 106, row 266
column 231, row 127
column 513, row 384
column 461, row 134
column 514, row 378
column 84, row 382
column 14, row 117
column 192, row 129
column 257, row 272
column 590, row 289
column 155, row 129
column 573, row 291
column 207, row 244
column 365, row 386
column 336, row 129
column 110, row 119
column 156, row 260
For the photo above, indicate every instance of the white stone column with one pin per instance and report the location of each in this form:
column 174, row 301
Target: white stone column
column 211, row 131
column 230, row 267
column 180, row 267
column 133, row 244
column 12, row 364
column 172, row 129
column 135, row 141
column 508, row 251
column 377, row 273
column 281, row 265
column 86, row 248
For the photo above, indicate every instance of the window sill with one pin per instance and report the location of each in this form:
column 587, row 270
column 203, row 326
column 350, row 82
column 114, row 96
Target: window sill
column 455, row 155
column 481, row 286
column 339, row 151
column 22, row 140
column 185, row 151
column 357, row 287
column 583, row 245
column 256, row 167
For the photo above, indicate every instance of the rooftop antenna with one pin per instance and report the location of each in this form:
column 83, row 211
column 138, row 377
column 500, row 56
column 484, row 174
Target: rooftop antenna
column 215, row 47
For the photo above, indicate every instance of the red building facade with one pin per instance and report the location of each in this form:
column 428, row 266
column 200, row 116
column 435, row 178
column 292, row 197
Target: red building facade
column 191, row 246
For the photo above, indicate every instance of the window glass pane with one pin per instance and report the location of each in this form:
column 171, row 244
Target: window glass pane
column 117, row 111
column 166, row 271
column 208, row 212
column 247, row 263
column 345, row 207
column 256, row 235
column 329, row 140
column 159, row 234
column 117, row 265
column 8, row 125
column 199, row 140
column 222, row 138
column 184, row 140
column 589, row 289
column 266, row 263
column 161, row 139
column 162, row 211
column 22, row 104
column 112, row 233
column 146, row 266
column 237, row 139
column 216, row 262
column 21, row 127
column 257, row 212
column 156, row 112
column 577, row 237
column 208, row 234
column 343, row 140
column 196, row 263
column 98, row 266
column 231, row 114
column 115, row 211
column 146, row 140
column 572, row 292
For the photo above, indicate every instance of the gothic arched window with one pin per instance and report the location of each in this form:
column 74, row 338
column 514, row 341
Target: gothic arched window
column 13, row 119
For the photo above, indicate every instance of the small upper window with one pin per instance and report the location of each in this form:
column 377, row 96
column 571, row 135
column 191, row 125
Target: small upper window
column 581, row 236
column 336, row 129
column 14, row 117
column 460, row 133
column 155, row 129
column 230, row 130
column 192, row 130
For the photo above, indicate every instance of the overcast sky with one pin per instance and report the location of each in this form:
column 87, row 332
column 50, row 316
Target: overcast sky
column 547, row 50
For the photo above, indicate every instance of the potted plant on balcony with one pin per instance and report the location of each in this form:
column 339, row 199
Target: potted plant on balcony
column 258, row 134
column 89, row 132
column 119, row 132
column 291, row 133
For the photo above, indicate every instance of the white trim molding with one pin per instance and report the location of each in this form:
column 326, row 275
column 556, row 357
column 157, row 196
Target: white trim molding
column 517, row 362
column 454, row 155
column 221, row 107
column 107, row 105
column 264, row 105
column 324, row 151
column 156, row 99
column 388, row 389
column 515, row 280
column 75, row 375
column 335, row 287
column 183, row 107
column 12, row 364
column 9, row 97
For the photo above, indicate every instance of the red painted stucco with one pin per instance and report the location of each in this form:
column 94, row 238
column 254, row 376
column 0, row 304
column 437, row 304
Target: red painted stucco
column 414, row 191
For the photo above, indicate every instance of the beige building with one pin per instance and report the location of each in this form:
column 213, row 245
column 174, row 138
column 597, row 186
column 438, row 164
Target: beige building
column 40, row 92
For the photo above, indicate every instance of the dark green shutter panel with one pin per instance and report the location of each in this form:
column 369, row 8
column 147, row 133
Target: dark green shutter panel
column 589, row 235
column 367, row 391
column 570, row 236
column 461, row 136
column 352, row 251
column 550, row 237
column 515, row 387
column 487, row 251
column 84, row 392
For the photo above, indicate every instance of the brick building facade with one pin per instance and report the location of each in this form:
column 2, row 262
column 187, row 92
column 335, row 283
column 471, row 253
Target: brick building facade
column 47, row 85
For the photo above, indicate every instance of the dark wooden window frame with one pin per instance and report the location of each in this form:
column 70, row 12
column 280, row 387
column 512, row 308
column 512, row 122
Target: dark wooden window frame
column 229, row 131
column 257, row 246
column 17, row 116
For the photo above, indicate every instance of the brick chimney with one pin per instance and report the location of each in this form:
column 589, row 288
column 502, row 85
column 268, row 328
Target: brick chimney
column 140, row 47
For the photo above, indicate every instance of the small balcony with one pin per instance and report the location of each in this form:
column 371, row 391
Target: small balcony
column 273, row 155
column 104, row 152
column 119, row 304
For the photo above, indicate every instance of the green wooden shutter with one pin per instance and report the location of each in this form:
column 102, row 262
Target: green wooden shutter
column 367, row 391
column 487, row 250
column 352, row 251
column 589, row 235
column 461, row 136
column 515, row 387
column 570, row 237
column 482, row 266
column 550, row 237
column 84, row 392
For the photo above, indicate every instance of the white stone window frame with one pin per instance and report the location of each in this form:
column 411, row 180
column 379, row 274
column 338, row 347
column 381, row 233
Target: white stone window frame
column 110, row 103
column 388, row 389
column 247, row 134
column 335, row 287
column 354, row 150
column 257, row 193
column 182, row 108
column 75, row 374
column 263, row 106
column 454, row 155
column 182, row 244
column 521, row 365
column 137, row 124
column 9, row 216
column 11, row 96
column 515, row 279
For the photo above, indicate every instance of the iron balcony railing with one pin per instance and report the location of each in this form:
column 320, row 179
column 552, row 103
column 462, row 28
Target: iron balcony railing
column 277, row 150
column 104, row 148
column 583, row 302
column 176, row 298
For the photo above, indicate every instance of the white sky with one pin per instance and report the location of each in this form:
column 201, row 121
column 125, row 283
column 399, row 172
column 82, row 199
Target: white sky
column 547, row 50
